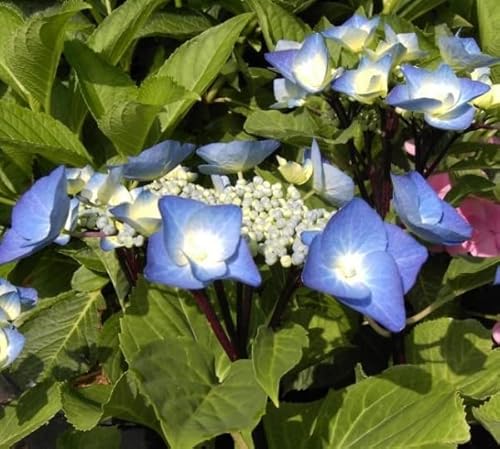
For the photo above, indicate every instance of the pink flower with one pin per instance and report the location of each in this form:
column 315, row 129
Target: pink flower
column 495, row 333
column 483, row 215
column 409, row 147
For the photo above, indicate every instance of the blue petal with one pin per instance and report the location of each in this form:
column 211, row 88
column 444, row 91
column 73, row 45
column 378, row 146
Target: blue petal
column 14, row 247
column 496, row 281
column 317, row 165
column 471, row 89
column 430, row 206
column 41, row 212
column 241, row 266
column 405, row 199
column 160, row 268
column 338, row 187
column 283, row 62
column 14, row 345
column 28, row 296
column 319, row 274
column 453, row 229
column 308, row 236
column 157, row 161
column 345, row 83
column 310, row 66
column 10, row 305
column 386, row 304
column 208, row 272
column 408, row 254
column 399, row 97
column 452, row 121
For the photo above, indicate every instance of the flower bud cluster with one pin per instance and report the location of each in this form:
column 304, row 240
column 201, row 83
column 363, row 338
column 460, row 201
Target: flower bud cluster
column 273, row 216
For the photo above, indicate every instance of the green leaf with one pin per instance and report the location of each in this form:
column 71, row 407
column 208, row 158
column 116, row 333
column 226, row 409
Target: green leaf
column 413, row 9
column 110, row 354
column 128, row 404
column 181, row 24
column 32, row 53
column 85, row 280
column 163, row 90
column 488, row 14
column 10, row 20
column 197, row 62
column 83, row 406
column 60, row 340
column 116, row 33
column 489, row 416
column 205, row 406
column 98, row 438
column 277, row 23
column 28, row 413
column 276, row 353
column 458, row 352
column 392, row 411
column 467, row 184
column 466, row 273
column 156, row 313
column 39, row 133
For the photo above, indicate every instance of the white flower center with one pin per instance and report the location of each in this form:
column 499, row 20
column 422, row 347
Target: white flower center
column 348, row 266
column 202, row 246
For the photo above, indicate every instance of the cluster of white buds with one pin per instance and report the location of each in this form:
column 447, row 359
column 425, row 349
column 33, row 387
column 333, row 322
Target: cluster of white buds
column 273, row 217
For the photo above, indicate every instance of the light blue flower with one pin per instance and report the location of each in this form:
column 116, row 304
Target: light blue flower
column 77, row 178
column 368, row 82
column 308, row 66
column 11, row 344
column 14, row 300
column 37, row 218
column 106, row 189
column 355, row 33
column 463, row 53
column 234, row 157
column 329, row 181
column 157, row 161
column 364, row 263
column 141, row 213
column 288, row 94
column 440, row 95
column 198, row 244
column 425, row 214
column 402, row 46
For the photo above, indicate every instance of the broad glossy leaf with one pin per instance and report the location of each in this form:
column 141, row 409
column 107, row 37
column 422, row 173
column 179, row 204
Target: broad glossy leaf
column 32, row 53
column 39, row 133
column 98, row 438
column 201, row 406
column 277, row 23
column 31, row 411
column 197, row 62
column 10, row 20
column 181, row 24
column 466, row 273
column 61, row 340
column 116, row 33
column 85, row 280
column 110, row 355
column 276, row 353
column 488, row 415
column 458, row 352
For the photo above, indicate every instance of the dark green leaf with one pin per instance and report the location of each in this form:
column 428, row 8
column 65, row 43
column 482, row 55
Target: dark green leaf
column 181, row 24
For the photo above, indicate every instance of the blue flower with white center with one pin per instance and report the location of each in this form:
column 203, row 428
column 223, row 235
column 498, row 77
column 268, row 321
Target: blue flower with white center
column 307, row 66
column 368, row 82
column 288, row 94
column 364, row 263
column 425, row 214
column 463, row 53
column 106, row 189
column 355, row 33
column 402, row 46
column 157, row 161
column 11, row 344
column 440, row 95
column 141, row 213
column 329, row 181
column 198, row 244
column 14, row 300
column 38, row 217
column 234, row 157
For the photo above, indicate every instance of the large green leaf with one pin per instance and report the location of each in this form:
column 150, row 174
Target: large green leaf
column 116, row 33
column 110, row 355
column 32, row 53
column 392, row 411
column 39, row 133
column 276, row 353
column 10, row 20
column 277, row 23
column 61, row 339
column 467, row 273
column 181, row 24
column 197, row 62
column 31, row 411
column 458, row 352
column 488, row 14
column 98, row 438
column 179, row 378
column 489, row 416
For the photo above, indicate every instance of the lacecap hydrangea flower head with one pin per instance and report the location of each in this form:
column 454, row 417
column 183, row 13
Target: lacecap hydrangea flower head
column 197, row 244
column 364, row 263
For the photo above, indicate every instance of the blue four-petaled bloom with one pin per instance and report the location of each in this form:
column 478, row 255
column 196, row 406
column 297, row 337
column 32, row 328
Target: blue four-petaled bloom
column 365, row 263
column 355, row 33
column 463, row 53
column 157, row 161
column 198, row 244
column 306, row 64
column 234, row 157
column 38, row 217
column 368, row 82
column 425, row 214
column 440, row 95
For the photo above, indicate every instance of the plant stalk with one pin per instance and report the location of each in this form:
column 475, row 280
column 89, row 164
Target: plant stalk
column 225, row 310
column 292, row 282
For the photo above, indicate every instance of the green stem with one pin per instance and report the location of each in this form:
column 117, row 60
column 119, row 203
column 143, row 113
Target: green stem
column 225, row 310
column 308, row 195
column 427, row 311
column 244, row 310
column 292, row 282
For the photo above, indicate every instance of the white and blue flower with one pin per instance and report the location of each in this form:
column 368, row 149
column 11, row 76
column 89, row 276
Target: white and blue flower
column 198, row 244
column 368, row 82
column 14, row 300
column 288, row 94
column 425, row 214
column 355, row 33
column 463, row 53
column 11, row 344
column 106, row 189
column 402, row 46
column 440, row 95
column 364, row 263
